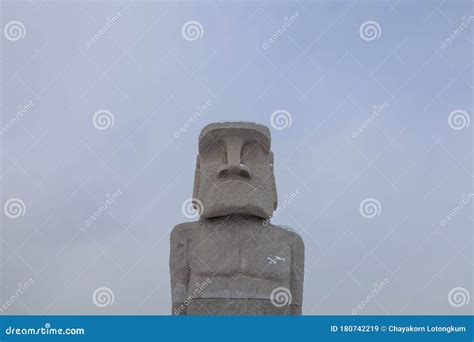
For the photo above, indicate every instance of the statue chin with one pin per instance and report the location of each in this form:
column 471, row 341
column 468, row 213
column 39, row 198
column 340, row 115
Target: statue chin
column 233, row 198
column 225, row 210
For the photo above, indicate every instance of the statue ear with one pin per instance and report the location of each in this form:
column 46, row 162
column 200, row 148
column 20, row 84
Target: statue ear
column 274, row 189
column 197, row 179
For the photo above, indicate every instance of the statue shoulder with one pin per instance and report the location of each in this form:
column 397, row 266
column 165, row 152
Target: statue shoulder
column 291, row 235
column 183, row 229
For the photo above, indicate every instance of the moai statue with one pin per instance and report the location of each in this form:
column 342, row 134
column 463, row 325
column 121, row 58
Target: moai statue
column 233, row 261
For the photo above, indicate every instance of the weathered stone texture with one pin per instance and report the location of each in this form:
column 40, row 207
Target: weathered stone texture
column 233, row 261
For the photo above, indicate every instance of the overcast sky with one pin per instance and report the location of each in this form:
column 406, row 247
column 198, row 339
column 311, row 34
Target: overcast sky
column 369, row 89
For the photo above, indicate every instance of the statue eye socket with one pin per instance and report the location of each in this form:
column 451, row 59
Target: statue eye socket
column 251, row 151
column 215, row 153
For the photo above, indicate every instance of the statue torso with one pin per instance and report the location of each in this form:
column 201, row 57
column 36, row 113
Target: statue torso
column 240, row 259
column 245, row 258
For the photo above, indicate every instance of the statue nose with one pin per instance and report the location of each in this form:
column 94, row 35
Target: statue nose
column 234, row 170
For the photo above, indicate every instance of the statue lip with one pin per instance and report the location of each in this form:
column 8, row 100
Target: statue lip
column 237, row 179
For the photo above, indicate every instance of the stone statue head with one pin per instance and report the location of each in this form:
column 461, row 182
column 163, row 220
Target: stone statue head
column 234, row 171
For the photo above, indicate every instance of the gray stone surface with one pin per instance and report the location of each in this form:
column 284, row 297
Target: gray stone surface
column 233, row 261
